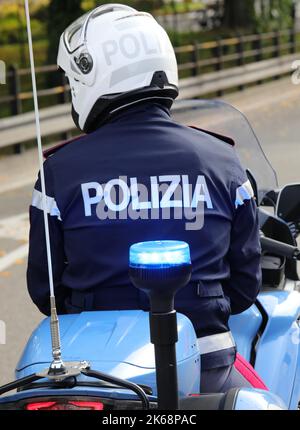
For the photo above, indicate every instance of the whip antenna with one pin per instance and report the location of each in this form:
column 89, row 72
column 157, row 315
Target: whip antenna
column 57, row 366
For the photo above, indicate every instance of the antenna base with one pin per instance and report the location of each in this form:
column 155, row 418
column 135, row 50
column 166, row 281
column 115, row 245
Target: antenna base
column 57, row 367
column 68, row 369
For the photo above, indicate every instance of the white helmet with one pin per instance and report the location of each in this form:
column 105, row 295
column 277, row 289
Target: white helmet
column 115, row 56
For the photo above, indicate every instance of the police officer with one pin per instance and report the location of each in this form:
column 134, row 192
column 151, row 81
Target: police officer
column 125, row 180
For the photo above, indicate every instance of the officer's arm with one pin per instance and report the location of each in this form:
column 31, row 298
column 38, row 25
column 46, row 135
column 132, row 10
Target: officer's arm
column 37, row 271
column 244, row 254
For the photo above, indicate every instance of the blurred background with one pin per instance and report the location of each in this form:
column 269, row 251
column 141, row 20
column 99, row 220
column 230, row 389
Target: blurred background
column 208, row 34
column 243, row 51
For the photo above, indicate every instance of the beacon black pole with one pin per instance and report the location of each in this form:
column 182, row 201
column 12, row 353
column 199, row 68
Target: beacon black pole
column 160, row 269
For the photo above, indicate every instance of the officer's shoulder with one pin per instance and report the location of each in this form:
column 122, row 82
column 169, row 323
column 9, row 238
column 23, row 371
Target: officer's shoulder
column 57, row 149
column 224, row 139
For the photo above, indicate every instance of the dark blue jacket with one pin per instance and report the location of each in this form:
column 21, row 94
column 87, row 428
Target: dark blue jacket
column 98, row 174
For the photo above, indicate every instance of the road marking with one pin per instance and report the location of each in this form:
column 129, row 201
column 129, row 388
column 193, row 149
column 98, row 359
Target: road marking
column 21, row 183
column 15, row 227
column 12, row 257
column 14, row 218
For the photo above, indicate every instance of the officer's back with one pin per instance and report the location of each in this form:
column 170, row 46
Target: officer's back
column 97, row 183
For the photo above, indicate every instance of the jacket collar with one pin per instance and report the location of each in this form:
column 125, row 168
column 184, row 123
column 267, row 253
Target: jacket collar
column 139, row 112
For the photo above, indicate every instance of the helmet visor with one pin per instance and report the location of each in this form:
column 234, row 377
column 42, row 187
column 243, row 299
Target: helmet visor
column 75, row 35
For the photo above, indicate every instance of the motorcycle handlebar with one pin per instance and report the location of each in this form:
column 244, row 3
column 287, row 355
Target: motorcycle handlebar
column 279, row 248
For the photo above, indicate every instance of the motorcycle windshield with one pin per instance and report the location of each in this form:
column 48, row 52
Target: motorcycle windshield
column 219, row 117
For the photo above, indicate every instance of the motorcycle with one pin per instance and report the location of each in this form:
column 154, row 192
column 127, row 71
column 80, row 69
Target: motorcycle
column 116, row 360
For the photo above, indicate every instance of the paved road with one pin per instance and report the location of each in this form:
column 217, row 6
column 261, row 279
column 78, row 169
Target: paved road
column 274, row 111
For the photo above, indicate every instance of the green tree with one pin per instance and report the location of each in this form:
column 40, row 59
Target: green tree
column 60, row 15
column 271, row 14
column 239, row 14
column 146, row 5
column 276, row 14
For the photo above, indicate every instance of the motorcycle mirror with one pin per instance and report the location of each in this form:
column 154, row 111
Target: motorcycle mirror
column 288, row 203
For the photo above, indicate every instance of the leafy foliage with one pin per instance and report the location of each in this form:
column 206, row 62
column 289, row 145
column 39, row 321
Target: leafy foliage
column 275, row 15
column 262, row 15
column 59, row 17
column 239, row 13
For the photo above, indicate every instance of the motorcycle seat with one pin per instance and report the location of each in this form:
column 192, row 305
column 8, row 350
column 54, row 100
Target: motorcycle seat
column 210, row 402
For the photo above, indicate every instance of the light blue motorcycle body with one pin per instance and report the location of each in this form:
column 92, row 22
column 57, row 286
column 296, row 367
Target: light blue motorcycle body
column 277, row 358
column 118, row 343
column 114, row 342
